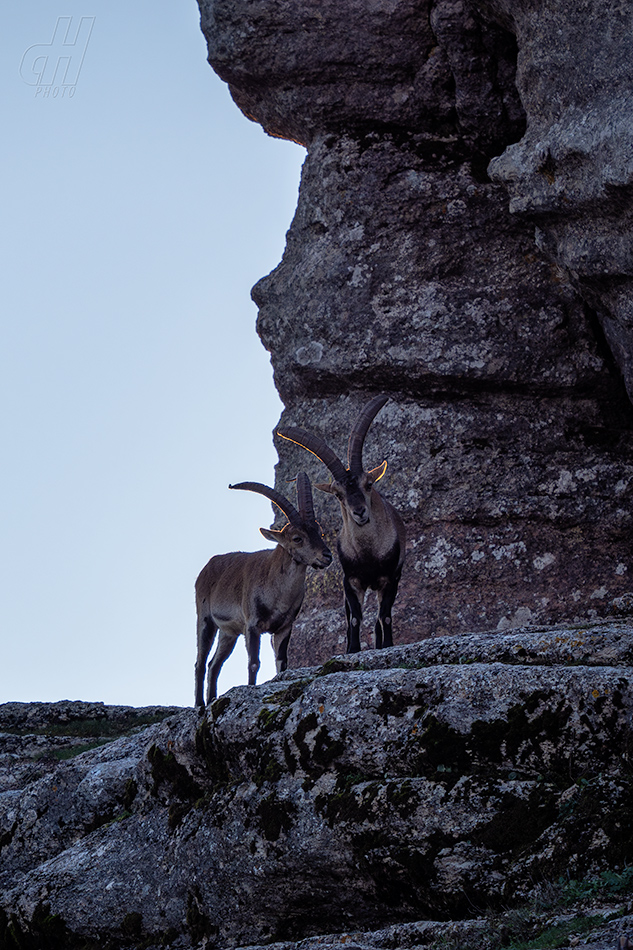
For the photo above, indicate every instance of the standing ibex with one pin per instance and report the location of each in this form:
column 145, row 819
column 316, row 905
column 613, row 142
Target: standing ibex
column 372, row 540
column 258, row 592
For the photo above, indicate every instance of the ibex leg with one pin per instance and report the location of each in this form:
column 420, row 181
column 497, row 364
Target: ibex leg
column 383, row 629
column 281, row 640
column 253, row 638
column 354, row 614
column 226, row 642
column 206, row 635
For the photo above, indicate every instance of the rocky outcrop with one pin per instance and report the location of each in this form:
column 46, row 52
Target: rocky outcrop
column 426, row 782
column 461, row 242
column 572, row 172
column 35, row 737
column 412, row 268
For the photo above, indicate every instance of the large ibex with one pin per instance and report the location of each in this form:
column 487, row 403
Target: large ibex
column 372, row 540
column 260, row 591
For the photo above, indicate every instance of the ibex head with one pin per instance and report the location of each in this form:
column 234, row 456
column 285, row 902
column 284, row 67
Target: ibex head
column 302, row 537
column 352, row 485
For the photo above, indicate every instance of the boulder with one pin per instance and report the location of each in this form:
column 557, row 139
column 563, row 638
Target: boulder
column 423, row 782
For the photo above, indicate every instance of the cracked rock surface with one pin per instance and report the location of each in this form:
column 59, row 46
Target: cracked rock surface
column 414, row 783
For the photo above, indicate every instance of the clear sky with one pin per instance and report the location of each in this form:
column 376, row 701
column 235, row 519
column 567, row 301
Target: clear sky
column 137, row 212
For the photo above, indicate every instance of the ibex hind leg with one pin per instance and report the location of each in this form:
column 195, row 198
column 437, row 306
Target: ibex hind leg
column 226, row 643
column 207, row 630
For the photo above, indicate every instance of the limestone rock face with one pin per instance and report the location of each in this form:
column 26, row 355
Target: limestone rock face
column 411, row 784
column 302, row 70
column 411, row 270
column 572, row 172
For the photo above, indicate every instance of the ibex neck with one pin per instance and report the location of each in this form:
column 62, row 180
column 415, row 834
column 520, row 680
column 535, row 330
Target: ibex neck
column 282, row 562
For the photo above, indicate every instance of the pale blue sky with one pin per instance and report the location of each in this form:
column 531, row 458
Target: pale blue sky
column 136, row 216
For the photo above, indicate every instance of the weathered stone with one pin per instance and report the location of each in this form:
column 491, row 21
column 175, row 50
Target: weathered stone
column 485, row 933
column 35, row 736
column 402, row 784
column 509, row 433
column 405, row 64
column 572, row 172
column 402, row 267
column 514, row 515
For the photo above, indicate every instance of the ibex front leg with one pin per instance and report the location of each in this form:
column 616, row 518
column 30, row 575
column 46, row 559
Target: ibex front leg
column 386, row 597
column 253, row 639
column 354, row 614
column 281, row 639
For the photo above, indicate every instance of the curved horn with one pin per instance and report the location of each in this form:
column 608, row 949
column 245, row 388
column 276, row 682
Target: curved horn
column 358, row 433
column 304, row 498
column 276, row 497
column 318, row 447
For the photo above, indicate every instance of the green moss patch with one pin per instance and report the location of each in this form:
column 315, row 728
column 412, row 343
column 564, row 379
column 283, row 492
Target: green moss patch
column 210, row 751
column 518, row 823
column 275, row 815
column 103, row 728
column 273, row 720
column 62, row 755
column 325, row 749
column 45, row 930
column 350, row 801
column 288, row 695
column 166, row 770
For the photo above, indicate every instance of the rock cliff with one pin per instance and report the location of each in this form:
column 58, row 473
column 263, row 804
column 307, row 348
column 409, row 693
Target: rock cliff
column 461, row 790
column 461, row 242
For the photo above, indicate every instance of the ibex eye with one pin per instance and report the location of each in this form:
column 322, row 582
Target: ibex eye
column 298, row 540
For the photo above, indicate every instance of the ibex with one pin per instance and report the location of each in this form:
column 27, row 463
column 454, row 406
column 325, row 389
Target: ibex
column 372, row 540
column 260, row 591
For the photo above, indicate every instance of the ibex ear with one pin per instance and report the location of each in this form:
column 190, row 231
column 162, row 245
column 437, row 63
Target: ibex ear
column 271, row 535
column 376, row 473
column 326, row 486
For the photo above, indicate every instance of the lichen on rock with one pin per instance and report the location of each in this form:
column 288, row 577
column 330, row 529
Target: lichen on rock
column 396, row 785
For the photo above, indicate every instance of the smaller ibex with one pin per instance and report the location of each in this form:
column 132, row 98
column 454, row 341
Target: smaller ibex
column 258, row 592
column 372, row 540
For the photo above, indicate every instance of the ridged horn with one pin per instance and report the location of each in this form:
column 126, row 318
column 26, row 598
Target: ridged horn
column 304, row 498
column 276, row 497
column 358, row 433
column 318, row 447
